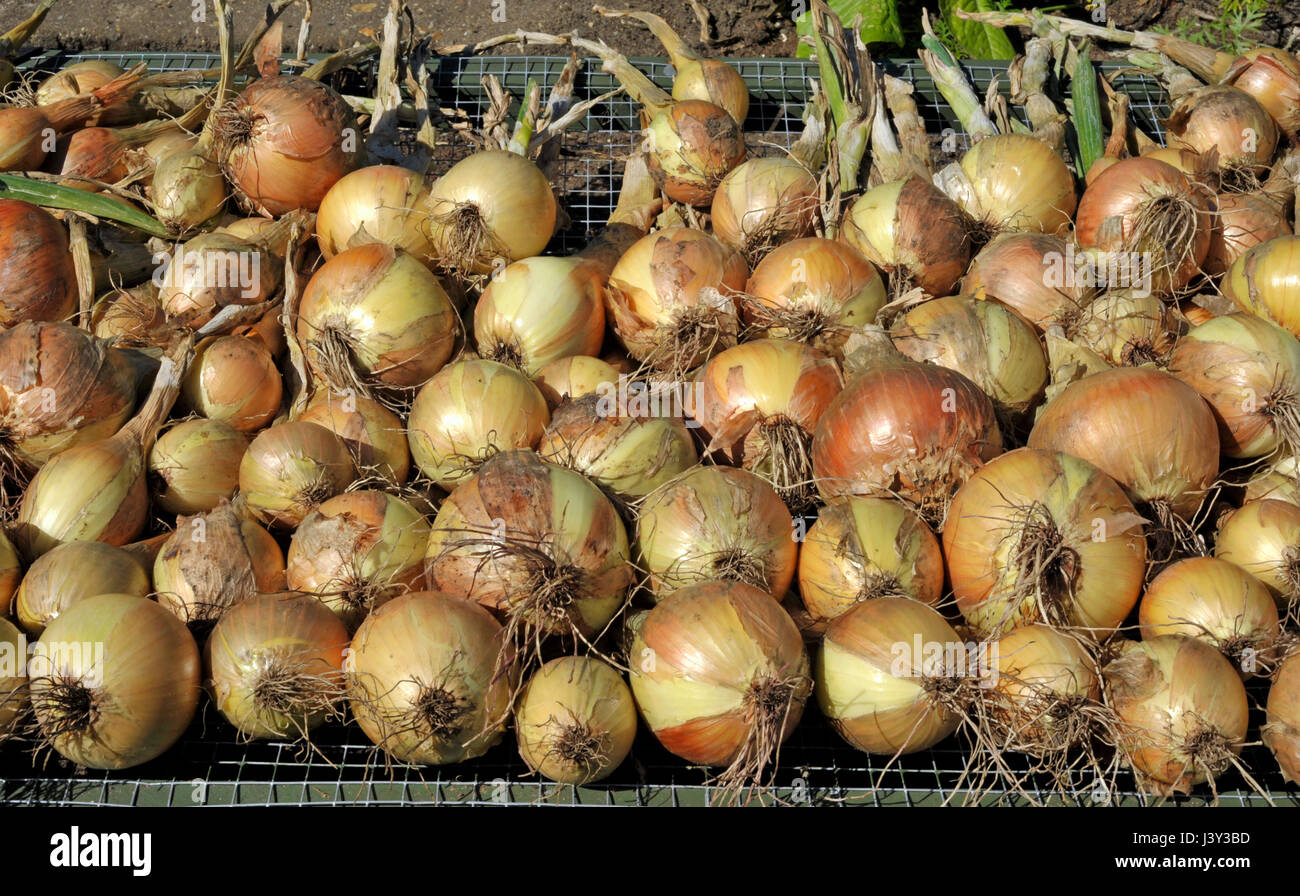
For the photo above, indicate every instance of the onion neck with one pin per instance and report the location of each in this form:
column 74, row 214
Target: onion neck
column 638, row 86
column 142, row 429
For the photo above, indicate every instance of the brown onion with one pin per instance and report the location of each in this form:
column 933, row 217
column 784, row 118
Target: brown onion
column 693, row 144
column 234, row 380
column 290, row 469
column 212, row 270
column 1126, row 327
column 1229, row 121
column 1019, row 270
column 372, row 433
column 764, row 203
column 1241, row 222
column 37, row 279
column 1272, row 77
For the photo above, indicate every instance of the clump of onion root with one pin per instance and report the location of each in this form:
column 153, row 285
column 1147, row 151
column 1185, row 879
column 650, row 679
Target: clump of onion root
column 1045, row 569
column 62, row 706
column 780, row 450
column 575, row 744
column 815, row 323
column 286, row 681
column 1164, row 229
column 332, row 351
column 770, row 706
column 1170, row 537
column 465, row 244
column 693, row 335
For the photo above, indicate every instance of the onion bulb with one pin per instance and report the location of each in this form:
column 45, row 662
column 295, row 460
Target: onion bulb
column 194, row 465
column 234, row 380
column 1032, row 274
column 11, row 572
column 574, row 377
column 423, row 679
column 1282, row 731
column 1272, row 77
column 13, row 682
column 1126, row 327
column 692, row 145
column 1047, row 694
column 1015, row 182
column 115, row 681
column 213, row 270
column 291, row 468
column 720, row 675
column 373, row 434
column 764, row 203
column 575, row 720
column 274, row 665
column 864, row 548
column 73, row 80
column 375, row 204
column 37, row 278
column 188, row 188
column 1263, row 538
column 71, row 573
column 1241, row 222
column 1266, row 281
column 1229, row 121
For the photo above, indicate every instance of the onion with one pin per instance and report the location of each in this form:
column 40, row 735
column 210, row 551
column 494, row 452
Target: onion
column 115, row 681
column 716, row 523
column 76, row 79
column 194, row 465
column 1015, row 182
column 537, row 543
column 901, row 428
column 131, row 317
column 233, row 379
column 1183, row 711
column 214, row 270
column 670, row 298
column 693, row 144
column 813, row 290
column 374, row 318
column 1263, row 538
column 491, row 206
column 1147, row 216
column 1029, row 273
column 1041, row 536
column 423, row 680
column 13, row 684
column 373, row 434
column 37, row 278
column 357, row 551
column 11, row 572
column 1282, row 732
column 573, row 377
column 169, row 142
column 1248, row 369
column 73, row 572
column 1217, row 602
column 468, row 412
column 290, row 469
column 375, row 204
column 104, row 154
column 25, row 131
column 628, row 451
column 992, row 346
column 274, row 665
column 575, row 720
column 1272, row 77
column 758, row 404
column 1266, row 281
column 540, row 310
column 1242, row 221
column 1126, row 327
column 764, row 203
column 285, row 141
column 721, row 676
column 911, row 231
column 1227, row 120
column 188, row 188
column 866, row 548
column 1278, row 480
column 212, row 562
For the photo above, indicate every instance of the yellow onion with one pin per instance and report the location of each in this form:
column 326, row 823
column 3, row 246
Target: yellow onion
column 891, row 675
column 73, row 80
column 764, row 203
column 167, row 143
column 1278, row 480
column 1033, row 274
column 115, row 681
column 1266, row 281
column 1183, row 711
column 540, row 310
column 911, row 231
column 865, row 548
column 25, row 130
column 693, row 144
column 212, row 562
column 901, row 428
column 1146, row 429
column 1229, row 121
column 11, row 572
column 73, row 572
column 716, row 523
column 375, row 204
column 1216, row 601
column 1272, row 77
column 291, row 468
column 13, row 679
column 37, row 277
column 1192, row 163
column 372, row 433
column 423, row 679
column 1241, row 222
column 1047, row 692
column 671, row 298
column 357, row 551
column 1282, row 731
column 628, row 451
column 721, row 677
column 575, row 720
column 285, row 141
column 1263, row 538
column 468, row 412
column 1037, row 536
column 132, row 317
column 213, row 270
column 813, row 290
column 574, row 377
column 1015, row 182
column 372, row 318
column 1126, row 327
column 992, row 346
column 274, row 665
column 537, row 543
column 758, row 404
column 101, row 154
column 194, row 465
column 1248, row 369
column 188, row 188
column 233, row 379
column 491, row 206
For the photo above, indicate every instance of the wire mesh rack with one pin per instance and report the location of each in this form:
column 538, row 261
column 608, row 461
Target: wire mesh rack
column 212, row 766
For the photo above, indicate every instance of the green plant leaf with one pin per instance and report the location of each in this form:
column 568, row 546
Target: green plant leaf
column 880, row 21
column 977, row 40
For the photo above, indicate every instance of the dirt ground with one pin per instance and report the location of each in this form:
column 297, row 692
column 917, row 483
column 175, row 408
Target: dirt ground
column 739, row 27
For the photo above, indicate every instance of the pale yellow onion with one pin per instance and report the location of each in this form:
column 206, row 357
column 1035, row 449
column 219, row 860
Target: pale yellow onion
column 573, row 378
column 575, row 720
column 372, row 433
column 357, row 551
column 79, row 77
column 1126, row 327
column 73, row 572
column 1016, row 182
column 375, row 204
column 167, row 143
column 541, row 309
column 290, row 468
column 764, row 203
column 470, row 410
column 13, row 678
column 1047, row 688
column 865, row 548
column 1266, row 281
column 203, row 275
column 1282, row 731
column 195, row 464
column 1263, row 538
column 1278, row 480
column 188, row 188
column 233, row 379
column 247, row 228
column 424, row 681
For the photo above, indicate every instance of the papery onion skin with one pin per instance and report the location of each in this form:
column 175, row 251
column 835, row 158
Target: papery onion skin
column 865, row 548
column 148, row 688
column 290, row 468
column 188, row 188
column 1018, row 183
column 1241, row 222
column 1272, row 77
column 423, row 679
column 37, row 277
column 1263, row 538
column 195, row 464
column 870, row 686
column 233, row 379
column 1019, row 271
column 375, row 204
column 1228, row 120
column 372, row 433
column 573, row 378
column 1126, row 327
column 1266, row 281
column 693, row 144
column 1282, row 731
column 73, row 572
column 1042, row 536
column 764, row 203
column 213, row 270
column 575, row 720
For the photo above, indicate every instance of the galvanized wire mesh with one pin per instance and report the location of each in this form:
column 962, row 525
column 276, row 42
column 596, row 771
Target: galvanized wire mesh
column 211, row 766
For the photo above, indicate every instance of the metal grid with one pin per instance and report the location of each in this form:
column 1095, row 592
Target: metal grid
column 210, row 766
